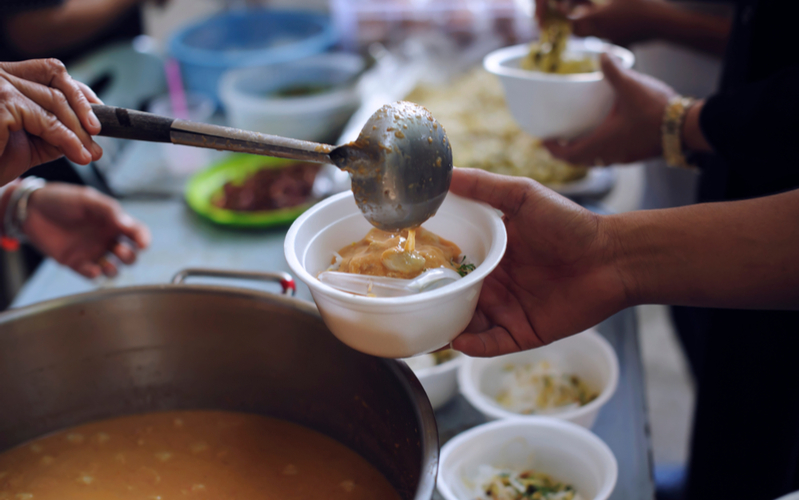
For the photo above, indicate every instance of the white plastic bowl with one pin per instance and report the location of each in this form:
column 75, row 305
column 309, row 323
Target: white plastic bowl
column 245, row 93
column 587, row 355
column 567, row 452
column 550, row 105
column 441, row 381
column 397, row 327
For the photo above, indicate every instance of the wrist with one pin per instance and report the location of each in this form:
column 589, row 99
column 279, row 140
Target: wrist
column 617, row 262
column 691, row 135
column 673, row 146
column 15, row 213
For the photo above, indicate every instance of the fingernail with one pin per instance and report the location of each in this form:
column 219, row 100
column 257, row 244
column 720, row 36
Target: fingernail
column 97, row 151
column 86, row 154
column 126, row 220
column 93, row 121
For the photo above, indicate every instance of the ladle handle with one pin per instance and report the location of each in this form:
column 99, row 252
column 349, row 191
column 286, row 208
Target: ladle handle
column 131, row 124
column 140, row 126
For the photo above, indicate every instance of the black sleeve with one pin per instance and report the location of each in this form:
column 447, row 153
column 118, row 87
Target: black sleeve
column 754, row 127
column 9, row 7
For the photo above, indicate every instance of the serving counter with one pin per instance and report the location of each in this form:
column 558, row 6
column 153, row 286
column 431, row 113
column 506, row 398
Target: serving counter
column 182, row 240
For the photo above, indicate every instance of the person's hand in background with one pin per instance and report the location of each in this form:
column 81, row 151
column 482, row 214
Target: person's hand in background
column 44, row 114
column 624, row 22
column 620, row 21
column 78, row 226
column 631, row 131
column 556, row 261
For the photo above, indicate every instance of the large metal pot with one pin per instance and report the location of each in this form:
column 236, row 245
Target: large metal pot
column 128, row 350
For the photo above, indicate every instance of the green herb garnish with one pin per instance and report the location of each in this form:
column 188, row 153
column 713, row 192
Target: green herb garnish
column 462, row 268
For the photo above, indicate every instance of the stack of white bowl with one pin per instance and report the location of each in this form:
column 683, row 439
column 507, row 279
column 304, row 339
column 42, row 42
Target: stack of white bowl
column 558, row 444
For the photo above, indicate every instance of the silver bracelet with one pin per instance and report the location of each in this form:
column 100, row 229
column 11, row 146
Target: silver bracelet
column 17, row 209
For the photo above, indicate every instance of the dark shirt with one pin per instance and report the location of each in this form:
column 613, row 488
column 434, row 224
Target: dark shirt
column 745, row 362
column 751, row 122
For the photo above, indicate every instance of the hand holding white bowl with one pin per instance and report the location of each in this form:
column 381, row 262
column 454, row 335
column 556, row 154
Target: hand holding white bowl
column 555, row 279
column 556, row 105
column 631, row 131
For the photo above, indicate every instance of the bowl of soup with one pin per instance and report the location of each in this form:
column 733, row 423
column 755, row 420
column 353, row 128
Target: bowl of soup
column 396, row 327
column 561, row 105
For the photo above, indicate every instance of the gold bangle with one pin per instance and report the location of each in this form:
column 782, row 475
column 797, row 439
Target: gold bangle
column 671, row 128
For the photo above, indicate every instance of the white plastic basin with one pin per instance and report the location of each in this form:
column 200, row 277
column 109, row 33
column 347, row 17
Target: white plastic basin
column 249, row 104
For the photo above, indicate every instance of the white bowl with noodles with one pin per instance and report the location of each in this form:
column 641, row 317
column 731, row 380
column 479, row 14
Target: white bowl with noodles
column 395, row 327
column 567, row 452
column 587, row 355
column 440, row 381
column 556, row 105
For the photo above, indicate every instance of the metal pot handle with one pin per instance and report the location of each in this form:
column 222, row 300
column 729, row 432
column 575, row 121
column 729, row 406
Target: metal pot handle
column 284, row 279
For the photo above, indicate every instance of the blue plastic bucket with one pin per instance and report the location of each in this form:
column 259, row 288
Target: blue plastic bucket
column 248, row 37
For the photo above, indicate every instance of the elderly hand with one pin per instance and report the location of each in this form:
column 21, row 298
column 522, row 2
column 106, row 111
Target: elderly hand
column 44, row 114
column 558, row 260
column 78, row 226
column 631, row 131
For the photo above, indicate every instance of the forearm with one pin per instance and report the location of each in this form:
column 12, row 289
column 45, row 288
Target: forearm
column 43, row 32
column 740, row 254
column 705, row 32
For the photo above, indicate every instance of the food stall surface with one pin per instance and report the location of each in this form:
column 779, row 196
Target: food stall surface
column 181, row 240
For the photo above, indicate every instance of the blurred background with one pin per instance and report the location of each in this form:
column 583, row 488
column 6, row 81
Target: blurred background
column 316, row 72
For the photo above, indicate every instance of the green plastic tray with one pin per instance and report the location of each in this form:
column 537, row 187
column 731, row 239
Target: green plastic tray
column 235, row 168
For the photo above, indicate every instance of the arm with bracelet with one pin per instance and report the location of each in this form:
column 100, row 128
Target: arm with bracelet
column 77, row 226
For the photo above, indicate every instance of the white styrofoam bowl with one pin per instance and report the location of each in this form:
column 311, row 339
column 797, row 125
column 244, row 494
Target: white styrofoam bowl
column 551, row 105
column 245, row 93
column 567, row 452
column 587, row 355
column 396, row 327
column 441, row 381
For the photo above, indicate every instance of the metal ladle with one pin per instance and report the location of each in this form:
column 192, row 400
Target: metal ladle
column 400, row 165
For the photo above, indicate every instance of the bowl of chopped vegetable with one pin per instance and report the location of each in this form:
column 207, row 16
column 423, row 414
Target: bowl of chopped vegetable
column 402, row 326
column 570, row 379
column 438, row 374
column 565, row 104
column 537, row 458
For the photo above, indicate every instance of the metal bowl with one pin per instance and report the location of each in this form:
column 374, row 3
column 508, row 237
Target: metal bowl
column 148, row 348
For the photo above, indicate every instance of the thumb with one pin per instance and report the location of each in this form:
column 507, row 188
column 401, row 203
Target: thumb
column 503, row 192
column 613, row 71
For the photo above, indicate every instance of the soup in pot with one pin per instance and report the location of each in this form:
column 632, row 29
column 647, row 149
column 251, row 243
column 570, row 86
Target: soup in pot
column 188, row 454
